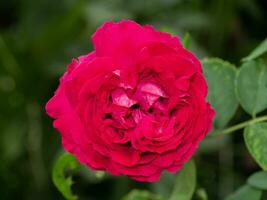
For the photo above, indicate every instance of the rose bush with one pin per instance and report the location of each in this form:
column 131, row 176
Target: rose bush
column 135, row 105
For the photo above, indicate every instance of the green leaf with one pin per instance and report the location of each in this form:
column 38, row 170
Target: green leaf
column 186, row 40
column 202, row 194
column 221, row 81
column 258, row 180
column 251, row 87
column 165, row 185
column 246, row 192
column 185, row 182
column 141, row 195
column 256, row 139
column 258, row 51
column 63, row 183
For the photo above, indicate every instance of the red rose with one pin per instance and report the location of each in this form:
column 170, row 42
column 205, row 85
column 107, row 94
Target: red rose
column 135, row 105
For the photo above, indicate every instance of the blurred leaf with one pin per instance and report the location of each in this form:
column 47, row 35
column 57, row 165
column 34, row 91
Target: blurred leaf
column 92, row 176
column 245, row 193
column 141, row 195
column 15, row 134
column 256, row 139
column 193, row 20
column 7, row 59
column 258, row 51
column 251, row 7
column 168, row 30
column 165, row 185
column 258, row 180
column 100, row 174
column 186, row 40
column 98, row 12
column 221, row 76
column 60, row 31
column 185, row 182
column 63, row 183
column 202, row 194
column 251, row 87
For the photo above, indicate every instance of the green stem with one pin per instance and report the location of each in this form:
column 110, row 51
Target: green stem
column 240, row 126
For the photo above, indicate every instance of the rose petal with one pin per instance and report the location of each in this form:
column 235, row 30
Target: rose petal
column 123, row 40
column 120, row 98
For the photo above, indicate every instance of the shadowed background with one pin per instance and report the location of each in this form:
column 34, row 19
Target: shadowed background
column 39, row 38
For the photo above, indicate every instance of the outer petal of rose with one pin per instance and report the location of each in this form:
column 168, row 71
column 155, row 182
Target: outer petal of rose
column 138, row 170
column 126, row 156
column 124, row 39
column 199, row 126
column 68, row 124
column 59, row 108
column 198, row 82
column 75, row 62
column 166, row 159
column 94, row 159
column 147, row 158
column 190, row 56
column 211, row 114
column 157, row 48
column 88, row 57
column 152, row 178
column 174, row 168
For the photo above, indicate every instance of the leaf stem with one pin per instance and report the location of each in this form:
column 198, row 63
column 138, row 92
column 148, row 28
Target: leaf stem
column 240, row 126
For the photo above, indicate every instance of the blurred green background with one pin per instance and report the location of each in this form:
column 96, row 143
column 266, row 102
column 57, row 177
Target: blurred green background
column 38, row 38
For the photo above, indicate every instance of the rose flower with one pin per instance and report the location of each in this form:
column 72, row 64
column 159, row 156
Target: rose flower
column 135, row 105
